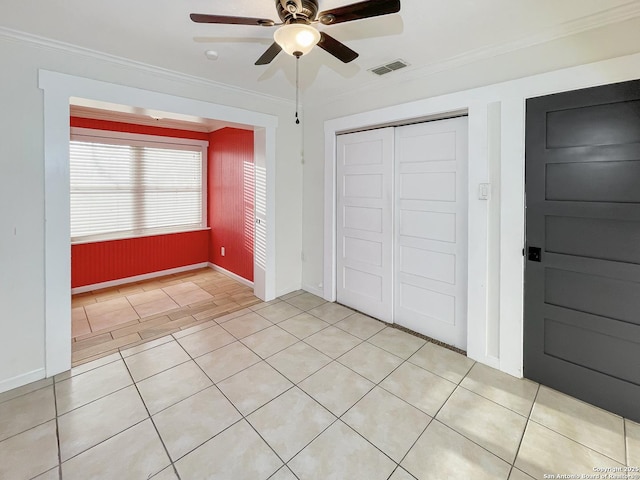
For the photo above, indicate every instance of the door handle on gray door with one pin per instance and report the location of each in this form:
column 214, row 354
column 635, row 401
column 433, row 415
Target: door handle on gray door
column 534, row 254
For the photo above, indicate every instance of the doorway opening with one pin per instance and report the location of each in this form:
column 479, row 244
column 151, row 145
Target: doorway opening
column 59, row 91
column 155, row 194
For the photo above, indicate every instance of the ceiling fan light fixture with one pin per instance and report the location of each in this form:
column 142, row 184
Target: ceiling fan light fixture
column 297, row 38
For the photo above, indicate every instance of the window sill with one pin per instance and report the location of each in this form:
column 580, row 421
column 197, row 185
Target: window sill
column 112, row 238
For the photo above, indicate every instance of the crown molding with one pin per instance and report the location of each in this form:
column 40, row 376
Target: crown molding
column 57, row 45
column 566, row 29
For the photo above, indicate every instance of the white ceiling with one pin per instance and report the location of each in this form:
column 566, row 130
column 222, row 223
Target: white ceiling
column 425, row 33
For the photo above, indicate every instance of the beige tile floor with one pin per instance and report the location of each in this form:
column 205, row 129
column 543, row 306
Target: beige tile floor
column 112, row 319
column 300, row 389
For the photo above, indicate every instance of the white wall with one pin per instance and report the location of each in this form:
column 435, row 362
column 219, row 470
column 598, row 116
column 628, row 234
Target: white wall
column 496, row 130
column 22, row 273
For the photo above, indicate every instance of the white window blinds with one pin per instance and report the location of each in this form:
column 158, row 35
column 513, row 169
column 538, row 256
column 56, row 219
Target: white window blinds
column 121, row 187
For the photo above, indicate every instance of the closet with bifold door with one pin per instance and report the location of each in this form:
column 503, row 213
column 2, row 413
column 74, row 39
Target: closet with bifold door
column 401, row 232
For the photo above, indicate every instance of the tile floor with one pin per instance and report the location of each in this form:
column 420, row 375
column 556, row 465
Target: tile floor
column 112, row 319
column 300, row 388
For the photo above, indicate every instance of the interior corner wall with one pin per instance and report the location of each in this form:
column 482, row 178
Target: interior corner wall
column 231, row 200
column 103, row 261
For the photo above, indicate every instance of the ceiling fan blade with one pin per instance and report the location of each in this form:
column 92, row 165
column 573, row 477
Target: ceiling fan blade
column 223, row 19
column 336, row 48
column 356, row 11
column 271, row 53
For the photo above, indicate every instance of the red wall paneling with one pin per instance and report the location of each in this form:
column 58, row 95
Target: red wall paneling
column 98, row 262
column 231, row 200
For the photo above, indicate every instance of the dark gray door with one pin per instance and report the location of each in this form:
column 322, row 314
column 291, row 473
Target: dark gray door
column 582, row 288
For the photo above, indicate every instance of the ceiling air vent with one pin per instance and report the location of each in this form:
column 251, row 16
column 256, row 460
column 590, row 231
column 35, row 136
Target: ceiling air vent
column 389, row 67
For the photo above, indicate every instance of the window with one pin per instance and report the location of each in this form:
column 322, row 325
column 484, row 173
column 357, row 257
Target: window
column 126, row 185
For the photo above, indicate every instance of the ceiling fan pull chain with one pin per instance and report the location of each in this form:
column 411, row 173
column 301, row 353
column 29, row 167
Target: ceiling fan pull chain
column 297, row 87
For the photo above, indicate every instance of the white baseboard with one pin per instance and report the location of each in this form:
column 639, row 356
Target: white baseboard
column 138, row 278
column 286, row 290
column 236, row 277
column 319, row 292
column 20, row 380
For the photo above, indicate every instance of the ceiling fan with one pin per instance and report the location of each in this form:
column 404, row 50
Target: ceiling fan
column 296, row 36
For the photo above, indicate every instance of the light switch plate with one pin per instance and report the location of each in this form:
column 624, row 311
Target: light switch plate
column 484, row 191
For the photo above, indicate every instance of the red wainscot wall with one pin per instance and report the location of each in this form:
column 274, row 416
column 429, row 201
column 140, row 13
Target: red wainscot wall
column 231, row 200
column 98, row 262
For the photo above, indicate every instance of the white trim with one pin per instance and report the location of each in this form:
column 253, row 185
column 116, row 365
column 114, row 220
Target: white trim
column 87, row 88
column 511, row 95
column 57, row 245
column 59, row 89
column 138, row 66
column 204, row 192
column 311, row 289
column 264, row 265
column 477, row 235
column 330, row 200
column 144, row 235
column 232, row 275
column 289, row 289
column 137, row 278
column 491, row 331
column 268, row 140
column 20, row 380
column 512, row 208
column 125, row 138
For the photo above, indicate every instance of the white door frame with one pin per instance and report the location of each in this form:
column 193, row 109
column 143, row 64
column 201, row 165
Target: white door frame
column 59, row 89
column 479, row 128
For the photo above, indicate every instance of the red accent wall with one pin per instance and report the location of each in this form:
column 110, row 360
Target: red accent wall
column 98, row 262
column 231, row 200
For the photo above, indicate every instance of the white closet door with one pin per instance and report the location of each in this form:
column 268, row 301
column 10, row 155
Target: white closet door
column 364, row 222
column 430, row 278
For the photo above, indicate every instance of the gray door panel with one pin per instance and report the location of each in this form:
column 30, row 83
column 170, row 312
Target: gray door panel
column 595, row 238
column 619, row 211
column 601, row 268
column 614, row 182
column 595, row 323
column 592, row 294
column 596, row 124
column 582, row 299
